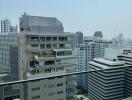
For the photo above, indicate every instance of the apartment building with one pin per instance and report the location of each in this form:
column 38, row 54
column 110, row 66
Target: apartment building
column 47, row 55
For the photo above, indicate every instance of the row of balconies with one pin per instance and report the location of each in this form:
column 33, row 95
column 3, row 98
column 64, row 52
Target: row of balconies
column 47, row 39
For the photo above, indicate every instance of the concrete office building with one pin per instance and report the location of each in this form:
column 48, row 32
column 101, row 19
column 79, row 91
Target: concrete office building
column 9, row 64
column 107, row 80
column 85, row 53
column 39, row 24
column 127, row 58
column 45, row 55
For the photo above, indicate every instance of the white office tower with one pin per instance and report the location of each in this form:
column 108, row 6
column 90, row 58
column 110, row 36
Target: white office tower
column 5, row 26
column 85, row 53
column 106, row 81
column 127, row 58
column 47, row 55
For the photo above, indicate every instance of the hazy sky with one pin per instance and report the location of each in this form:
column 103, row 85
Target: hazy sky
column 109, row 16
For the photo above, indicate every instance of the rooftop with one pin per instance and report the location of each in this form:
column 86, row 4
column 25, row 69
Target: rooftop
column 105, row 63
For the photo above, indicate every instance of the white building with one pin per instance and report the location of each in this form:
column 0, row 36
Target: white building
column 85, row 53
column 47, row 55
column 127, row 58
column 107, row 79
column 6, row 26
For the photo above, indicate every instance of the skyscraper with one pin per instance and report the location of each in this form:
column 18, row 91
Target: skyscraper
column 77, row 38
column 39, row 24
column 85, row 53
column 5, row 26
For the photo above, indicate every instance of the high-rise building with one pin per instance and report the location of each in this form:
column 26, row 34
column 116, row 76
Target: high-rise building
column 39, row 24
column 98, row 34
column 85, row 53
column 47, row 55
column 6, row 26
column 9, row 65
column 77, row 38
column 107, row 79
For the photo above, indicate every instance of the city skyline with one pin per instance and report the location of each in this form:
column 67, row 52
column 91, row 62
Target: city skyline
column 111, row 17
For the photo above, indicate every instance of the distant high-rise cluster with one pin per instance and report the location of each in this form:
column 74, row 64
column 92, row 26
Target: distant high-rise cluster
column 6, row 26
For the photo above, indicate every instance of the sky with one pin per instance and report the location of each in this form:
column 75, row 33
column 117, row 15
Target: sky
column 109, row 16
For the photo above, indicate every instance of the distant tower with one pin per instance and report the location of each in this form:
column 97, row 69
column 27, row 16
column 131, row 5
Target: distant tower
column 98, row 34
column 5, row 26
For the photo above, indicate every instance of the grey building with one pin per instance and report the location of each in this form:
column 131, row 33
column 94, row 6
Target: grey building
column 107, row 80
column 39, row 24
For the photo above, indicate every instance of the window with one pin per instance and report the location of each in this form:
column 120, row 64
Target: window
column 48, row 38
column 47, row 70
column 50, row 62
column 54, row 45
column 42, row 38
column 60, row 92
column 60, row 99
column 60, row 84
column 48, row 46
column 35, row 89
column 42, row 46
column 51, row 78
column 61, row 45
column 34, row 45
column 51, row 86
column 35, row 97
column 50, row 94
column 54, row 38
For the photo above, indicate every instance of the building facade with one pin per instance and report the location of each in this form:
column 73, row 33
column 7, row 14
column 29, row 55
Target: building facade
column 85, row 53
column 9, row 65
column 47, row 55
column 127, row 58
column 6, row 26
column 39, row 24
column 106, row 79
